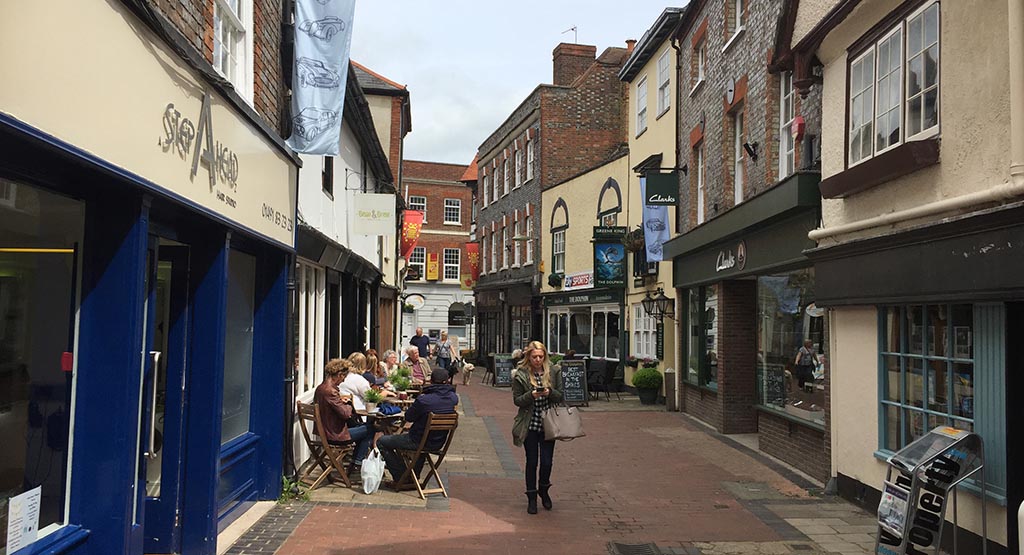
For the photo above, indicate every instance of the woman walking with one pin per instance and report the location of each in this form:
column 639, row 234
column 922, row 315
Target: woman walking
column 535, row 386
column 444, row 351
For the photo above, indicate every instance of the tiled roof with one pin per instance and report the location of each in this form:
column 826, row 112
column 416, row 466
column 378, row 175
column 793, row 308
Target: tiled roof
column 470, row 174
column 438, row 171
column 371, row 80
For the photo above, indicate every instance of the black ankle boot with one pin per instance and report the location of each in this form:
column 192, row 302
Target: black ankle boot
column 531, row 502
column 545, row 499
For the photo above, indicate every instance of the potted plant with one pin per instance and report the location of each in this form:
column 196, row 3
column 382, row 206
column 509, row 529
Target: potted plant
column 647, row 382
column 555, row 359
column 649, row 363
column 372, row 397
column 634, row 240
column 632, row 361
column 400, row 382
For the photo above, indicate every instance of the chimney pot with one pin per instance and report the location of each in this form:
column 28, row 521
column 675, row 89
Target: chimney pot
column 630, row 45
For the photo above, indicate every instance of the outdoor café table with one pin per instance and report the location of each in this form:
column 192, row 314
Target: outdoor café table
column 389, row 422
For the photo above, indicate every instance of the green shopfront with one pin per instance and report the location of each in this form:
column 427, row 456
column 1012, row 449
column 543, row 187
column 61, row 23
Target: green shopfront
column 747, row 294
column 588, row 322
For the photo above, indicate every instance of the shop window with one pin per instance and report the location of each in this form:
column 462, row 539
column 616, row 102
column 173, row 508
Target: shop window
column 238, row 343
column 42, row 234
column 558, row 332
column 309, row 336
column 702, row 346
column 790, row 374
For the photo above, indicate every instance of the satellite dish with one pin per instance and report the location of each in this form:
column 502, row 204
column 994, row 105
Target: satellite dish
column 730, row 91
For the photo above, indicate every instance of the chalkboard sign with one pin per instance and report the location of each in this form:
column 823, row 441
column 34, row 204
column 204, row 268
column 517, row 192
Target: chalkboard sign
column 574, row 381
column 503, row 368
column 775, row 385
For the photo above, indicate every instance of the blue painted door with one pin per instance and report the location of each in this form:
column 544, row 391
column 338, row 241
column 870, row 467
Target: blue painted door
column 166, row 388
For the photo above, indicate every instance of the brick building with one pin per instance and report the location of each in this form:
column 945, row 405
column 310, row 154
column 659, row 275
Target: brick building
column 148, row 159
column 559, row 130
column 439, row 262
column 748, row 200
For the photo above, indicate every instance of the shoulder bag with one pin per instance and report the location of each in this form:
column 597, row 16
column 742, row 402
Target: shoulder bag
column 562, row 423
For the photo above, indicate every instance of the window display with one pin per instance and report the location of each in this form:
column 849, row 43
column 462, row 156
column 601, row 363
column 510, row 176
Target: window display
column 703, row 344
column 790, row 334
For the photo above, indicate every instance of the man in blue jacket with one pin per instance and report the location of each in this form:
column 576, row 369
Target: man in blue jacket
column 439, row 397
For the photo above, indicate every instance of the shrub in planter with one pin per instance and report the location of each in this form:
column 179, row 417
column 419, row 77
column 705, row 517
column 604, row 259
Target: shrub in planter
column 372, row 398
column 647, row 382
column 401, row 383
column 555, row 359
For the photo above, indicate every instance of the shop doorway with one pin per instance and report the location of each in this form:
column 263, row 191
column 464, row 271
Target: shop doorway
column 164, row 389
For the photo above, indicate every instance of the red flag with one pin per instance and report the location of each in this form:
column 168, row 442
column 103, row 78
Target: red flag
column 473, row 254
column 412, row 221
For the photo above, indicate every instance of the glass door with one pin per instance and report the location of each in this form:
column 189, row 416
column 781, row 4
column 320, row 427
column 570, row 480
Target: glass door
column 164, row 394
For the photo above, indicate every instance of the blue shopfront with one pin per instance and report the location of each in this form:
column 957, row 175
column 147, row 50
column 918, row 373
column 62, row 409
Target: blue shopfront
column 146, row 234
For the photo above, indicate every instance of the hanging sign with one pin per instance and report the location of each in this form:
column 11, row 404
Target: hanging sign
column 433, row 267
column 323, row 37
column 662, row 189
column 374, row 214
column 412, row 222
column 655, row 221
column 473, row 255
column 466, row 282
column 659, row 344
column 609, row 256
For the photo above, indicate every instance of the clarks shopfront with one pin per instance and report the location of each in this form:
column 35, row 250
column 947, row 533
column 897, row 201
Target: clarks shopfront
column 145, row 233
column 747, row 293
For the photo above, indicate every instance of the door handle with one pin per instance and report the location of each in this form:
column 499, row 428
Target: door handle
column 151, row 447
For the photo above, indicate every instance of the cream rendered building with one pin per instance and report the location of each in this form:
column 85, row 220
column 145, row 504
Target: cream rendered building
column 918, row 257
column 652, row 74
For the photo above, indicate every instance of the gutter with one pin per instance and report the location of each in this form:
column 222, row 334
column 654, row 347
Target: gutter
column 1001, row 193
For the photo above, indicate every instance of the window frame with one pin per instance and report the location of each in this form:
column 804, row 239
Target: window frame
column 327, row 176
column 241, row 74
column 422, row 264
column 738, row 167
column 787, row 157
column 641, row 106
column 529, row 241
column 445, row 265
column 558, row 256
column 484, row 187
column 516, row 232
column 412, row 204
column 505, row 177
column 494, row 252
column 701, row 186
column 645, row 333
column 494, row 185
column 529, row 159
column 664, row 82
column 457, row 207
column 519, row 168
column 483, row 251
column 902, row 74
column 504, row 247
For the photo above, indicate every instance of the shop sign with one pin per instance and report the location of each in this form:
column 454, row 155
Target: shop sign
column 662, row 189
column 374, row 214
column 609, row 256
column 581, row 280
column 729, row 259
column 659, row 341
column 594, row 297
column 179, row 134
column 433, row 267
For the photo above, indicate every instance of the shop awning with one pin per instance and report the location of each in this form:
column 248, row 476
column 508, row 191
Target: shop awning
column 313, row 244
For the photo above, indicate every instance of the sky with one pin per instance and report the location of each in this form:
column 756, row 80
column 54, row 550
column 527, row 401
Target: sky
column 468, row 64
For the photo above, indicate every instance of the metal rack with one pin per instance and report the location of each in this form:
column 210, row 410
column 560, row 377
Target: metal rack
column 920, row 477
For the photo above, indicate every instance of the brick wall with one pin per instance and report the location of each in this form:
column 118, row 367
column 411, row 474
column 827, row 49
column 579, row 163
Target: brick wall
column 395, row 148
column 569, row 61
column 737, row 356
column 437, row 182
column 194, row 20
column 801, row 446
column 702, row 404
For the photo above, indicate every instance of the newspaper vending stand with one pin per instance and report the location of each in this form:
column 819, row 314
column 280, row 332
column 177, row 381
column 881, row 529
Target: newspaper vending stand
column 919, row 481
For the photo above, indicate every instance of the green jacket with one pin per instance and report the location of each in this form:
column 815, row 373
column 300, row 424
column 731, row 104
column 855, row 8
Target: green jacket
column 522, row 395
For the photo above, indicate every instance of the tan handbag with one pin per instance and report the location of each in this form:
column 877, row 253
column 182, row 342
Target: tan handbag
column 562, row 423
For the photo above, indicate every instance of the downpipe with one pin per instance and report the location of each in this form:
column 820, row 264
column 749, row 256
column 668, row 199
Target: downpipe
column 1001, row 193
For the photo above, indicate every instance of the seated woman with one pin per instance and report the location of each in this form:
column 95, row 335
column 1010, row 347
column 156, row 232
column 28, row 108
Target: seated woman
column 419, row 366
column 353, row 383
column 375, row 375
column 390, row 362
column 336, row 410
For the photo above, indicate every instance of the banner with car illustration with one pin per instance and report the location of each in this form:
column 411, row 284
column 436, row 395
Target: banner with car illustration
column 323, row 36
column 655, row 226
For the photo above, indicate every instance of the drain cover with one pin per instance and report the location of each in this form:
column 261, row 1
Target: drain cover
column 633, row 549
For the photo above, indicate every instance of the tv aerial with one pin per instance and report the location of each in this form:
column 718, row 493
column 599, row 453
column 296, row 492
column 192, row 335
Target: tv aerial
column 575, row 39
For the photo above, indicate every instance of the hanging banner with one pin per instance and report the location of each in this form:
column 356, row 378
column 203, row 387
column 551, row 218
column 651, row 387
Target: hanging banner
column 412, row 222
column 473, row 254
column 466, row 282
column 609, row 256
column 374, row 214
column 655, row 226
column 433, row 267
column 323, row 37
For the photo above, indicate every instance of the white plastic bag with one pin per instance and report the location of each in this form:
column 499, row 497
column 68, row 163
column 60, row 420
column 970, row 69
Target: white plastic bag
column 372, row 471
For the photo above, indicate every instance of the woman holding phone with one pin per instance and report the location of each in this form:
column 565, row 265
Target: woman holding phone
column 536, row 385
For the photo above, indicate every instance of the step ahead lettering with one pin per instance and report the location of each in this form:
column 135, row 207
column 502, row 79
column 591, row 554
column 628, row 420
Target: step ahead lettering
column 930, row 507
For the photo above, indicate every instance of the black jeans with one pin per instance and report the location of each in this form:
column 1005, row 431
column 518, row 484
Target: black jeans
column 538, row 450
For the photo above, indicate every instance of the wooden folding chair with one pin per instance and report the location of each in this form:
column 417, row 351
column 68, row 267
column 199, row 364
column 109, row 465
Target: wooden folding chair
column 433, row 457
column 316, row 459
column 331, row 456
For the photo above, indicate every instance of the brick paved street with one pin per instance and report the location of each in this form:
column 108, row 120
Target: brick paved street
column 639, row 477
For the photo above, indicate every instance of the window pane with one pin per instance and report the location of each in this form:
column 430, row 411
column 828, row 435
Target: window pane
column 963, row 338
column 579, row 332
column 915, row 76
column 917, row 424
column 931, row 25
column 893, row 425
column 915, row 327
column 37, row 297
column 238, row 343
column 892, row 341
column 694, row 349
column 931, row 111
column 938, row 386
column 612, row 341
column 963, row 390
column 938, row 330
column 563, row 332
column 914, row 116
column 892, row 378
column 598, row 344
column 553, row 332
column 915, row 382
column 914, row 35
column 710, row 347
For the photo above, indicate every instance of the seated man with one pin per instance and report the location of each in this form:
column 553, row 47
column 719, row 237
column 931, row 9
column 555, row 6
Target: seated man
column 419, row 366
column 440, row 398
column 336, row 410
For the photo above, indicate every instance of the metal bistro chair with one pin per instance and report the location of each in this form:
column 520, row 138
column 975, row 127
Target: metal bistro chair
column 602, row 378
column 432, row 457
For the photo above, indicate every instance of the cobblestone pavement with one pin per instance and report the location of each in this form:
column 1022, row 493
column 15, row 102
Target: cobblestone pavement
column 640, row 482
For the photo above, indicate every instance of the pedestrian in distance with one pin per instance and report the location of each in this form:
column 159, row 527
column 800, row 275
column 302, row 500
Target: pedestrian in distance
column 806, row 360
column 536, row 386
column 444, row 352
column 421, row 342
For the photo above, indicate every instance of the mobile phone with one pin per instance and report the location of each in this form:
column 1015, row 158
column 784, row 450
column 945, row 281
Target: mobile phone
column 539, row 388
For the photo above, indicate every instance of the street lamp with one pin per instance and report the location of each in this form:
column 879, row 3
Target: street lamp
column 659, row 305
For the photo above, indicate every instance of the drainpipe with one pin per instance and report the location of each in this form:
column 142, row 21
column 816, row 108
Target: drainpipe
column 1001, row 193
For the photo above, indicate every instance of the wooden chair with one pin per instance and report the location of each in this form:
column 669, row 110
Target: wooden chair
column 432, row 457
column 317, row 458
column 326, row 455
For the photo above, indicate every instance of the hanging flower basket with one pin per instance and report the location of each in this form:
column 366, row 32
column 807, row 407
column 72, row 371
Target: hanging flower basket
column 634, row 240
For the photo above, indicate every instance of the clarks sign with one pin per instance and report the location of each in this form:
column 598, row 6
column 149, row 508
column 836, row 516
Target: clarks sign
column 662, row 189
column 728, row 260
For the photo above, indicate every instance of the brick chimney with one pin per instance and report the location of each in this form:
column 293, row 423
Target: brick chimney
column 570, row 61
